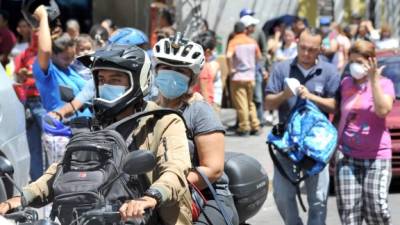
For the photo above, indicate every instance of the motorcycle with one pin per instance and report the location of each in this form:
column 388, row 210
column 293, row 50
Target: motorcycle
column 136, row 163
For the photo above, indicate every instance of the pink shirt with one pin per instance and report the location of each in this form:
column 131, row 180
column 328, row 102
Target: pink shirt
column 206, row 75
column 363, row 135
column 244, row 52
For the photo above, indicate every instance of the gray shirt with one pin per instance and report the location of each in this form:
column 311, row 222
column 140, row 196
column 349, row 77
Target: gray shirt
column 202, row 119
column 323, row 80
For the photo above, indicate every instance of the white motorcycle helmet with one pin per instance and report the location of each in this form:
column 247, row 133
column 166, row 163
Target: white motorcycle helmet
column 178, row 52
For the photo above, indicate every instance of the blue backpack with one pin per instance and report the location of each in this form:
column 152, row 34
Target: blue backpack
column 308, row 139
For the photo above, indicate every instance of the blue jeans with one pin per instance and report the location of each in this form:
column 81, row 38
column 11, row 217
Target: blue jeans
column 258, row 97
column 285, row 195
column 34, row 135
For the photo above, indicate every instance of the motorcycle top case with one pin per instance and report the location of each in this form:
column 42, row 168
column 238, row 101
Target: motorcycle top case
column 248, row 182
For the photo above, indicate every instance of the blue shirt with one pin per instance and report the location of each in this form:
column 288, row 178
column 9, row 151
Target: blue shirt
column 49, row 85
column 324, row 82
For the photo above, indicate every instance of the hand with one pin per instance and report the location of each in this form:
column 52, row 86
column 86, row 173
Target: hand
column 373, row 71
column 303, row 92
column 56, row 116
column 14, row 202
column 21, row 75
column 135, row 208
column 40, row 12
column 265, row 75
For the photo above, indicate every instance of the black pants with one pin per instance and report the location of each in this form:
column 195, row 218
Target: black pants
column 211, row 214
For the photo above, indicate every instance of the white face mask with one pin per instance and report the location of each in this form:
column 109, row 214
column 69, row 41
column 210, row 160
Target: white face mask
column 357, row 71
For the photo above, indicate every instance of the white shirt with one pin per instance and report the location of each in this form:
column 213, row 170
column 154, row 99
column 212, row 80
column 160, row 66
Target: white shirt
column 304, row 71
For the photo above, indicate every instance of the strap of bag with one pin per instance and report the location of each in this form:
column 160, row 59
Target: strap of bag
column 215, row 196
column 282, row 171
column 126, row 125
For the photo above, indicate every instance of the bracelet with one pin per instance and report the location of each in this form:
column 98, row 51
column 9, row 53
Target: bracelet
column 73, row 108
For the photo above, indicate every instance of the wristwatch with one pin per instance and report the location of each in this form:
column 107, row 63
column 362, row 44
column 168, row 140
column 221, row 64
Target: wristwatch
column 154, row 193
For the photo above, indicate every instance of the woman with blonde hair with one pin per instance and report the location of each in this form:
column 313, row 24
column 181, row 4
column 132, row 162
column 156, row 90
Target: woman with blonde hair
column 363, row 169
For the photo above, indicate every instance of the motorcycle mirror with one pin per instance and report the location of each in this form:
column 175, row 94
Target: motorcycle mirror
column 139, row 162
column 5, row 167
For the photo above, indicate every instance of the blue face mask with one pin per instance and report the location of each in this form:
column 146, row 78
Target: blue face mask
column 111, row 92
column 172, row 84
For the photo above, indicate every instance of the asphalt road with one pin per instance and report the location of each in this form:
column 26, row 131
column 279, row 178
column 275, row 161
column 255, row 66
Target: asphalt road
column 268, row 215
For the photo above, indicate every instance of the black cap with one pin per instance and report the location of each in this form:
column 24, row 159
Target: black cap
column 239, row 27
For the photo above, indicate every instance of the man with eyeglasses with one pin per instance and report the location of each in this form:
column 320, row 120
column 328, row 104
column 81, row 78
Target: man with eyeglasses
column 319, row 82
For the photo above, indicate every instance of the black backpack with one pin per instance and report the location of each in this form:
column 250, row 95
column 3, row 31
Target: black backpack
column 90, row 175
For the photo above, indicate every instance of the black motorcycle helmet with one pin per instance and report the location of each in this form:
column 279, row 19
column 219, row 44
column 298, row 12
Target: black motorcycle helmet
column 128, row 59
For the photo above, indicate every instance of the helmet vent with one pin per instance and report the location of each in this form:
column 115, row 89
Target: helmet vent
column 195, row 55
column 186, row 50
column 157, row 48
column 167, row 47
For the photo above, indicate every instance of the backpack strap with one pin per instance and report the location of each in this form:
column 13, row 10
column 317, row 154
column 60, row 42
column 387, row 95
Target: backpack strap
column 215, row 196
column 126, row 125
column 282, row 171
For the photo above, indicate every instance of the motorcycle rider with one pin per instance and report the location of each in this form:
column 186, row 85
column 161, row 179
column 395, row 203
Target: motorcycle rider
column 122, row 79
column 178, row 64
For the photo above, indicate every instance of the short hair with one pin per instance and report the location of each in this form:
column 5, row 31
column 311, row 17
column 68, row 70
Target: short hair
column 297, row 19
column 386, row 28
column 364, row 48
column 84, row 38
column 61, row 43
column 239, row 27
column 313, row 32
column 207, row 40
column 73, row 23
column 99, row 34
column 168, row 15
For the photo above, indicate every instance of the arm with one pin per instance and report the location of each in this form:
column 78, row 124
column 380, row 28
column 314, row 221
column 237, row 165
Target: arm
column 328, row 105
column 67, row 110
column 383, row 103
column 44, row 42
column 85, row 95
column 276, row 91
column 203, row 88
column 229, row 55
column 36, row 193
column 273, row 101
column 210, row 149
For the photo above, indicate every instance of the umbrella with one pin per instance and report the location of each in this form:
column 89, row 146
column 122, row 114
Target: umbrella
column 268, row 27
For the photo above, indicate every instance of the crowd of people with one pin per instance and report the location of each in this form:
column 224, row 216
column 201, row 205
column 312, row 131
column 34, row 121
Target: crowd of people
column 335, row 65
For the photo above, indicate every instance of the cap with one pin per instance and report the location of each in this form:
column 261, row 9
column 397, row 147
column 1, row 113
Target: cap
column 249, row 20
column 324, row 21
column 246, row 12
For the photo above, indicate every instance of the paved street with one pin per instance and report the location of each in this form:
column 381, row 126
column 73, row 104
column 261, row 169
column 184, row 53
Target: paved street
column 269, row 215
